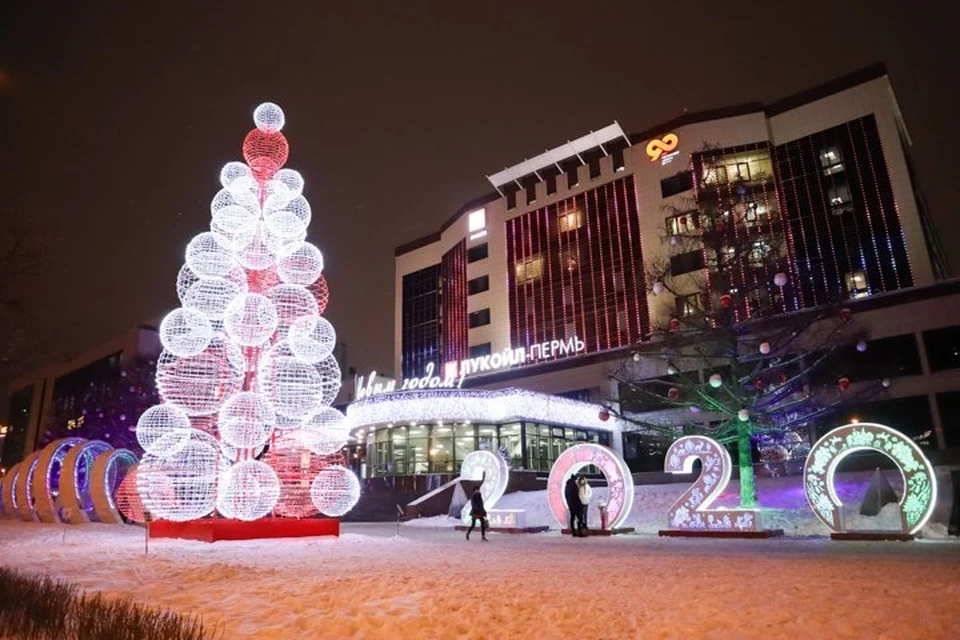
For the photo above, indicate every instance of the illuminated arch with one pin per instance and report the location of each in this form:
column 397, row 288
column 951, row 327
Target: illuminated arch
column 692, row 509
column 919, row 482
column 23, row 492
column 614, row 469
column 9, row 495
column 45, row 479
column 75, row 480
column 109, row 470
column 493, row 470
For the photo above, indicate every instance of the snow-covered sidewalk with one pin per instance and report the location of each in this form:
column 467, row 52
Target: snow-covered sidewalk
column 430, row 583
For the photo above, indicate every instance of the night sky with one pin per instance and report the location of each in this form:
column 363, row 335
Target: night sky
column 115, row 120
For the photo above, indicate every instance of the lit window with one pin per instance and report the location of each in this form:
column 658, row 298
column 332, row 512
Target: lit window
column 477, row 220
column 570, row 259
column 529, row 270
column 840, row 200
column 751, row 214
column 758, row 253
column 831, row 160
column 687, row 306
column 857, row 284
column 570, row 330
column 571, row 219
column 682, row 223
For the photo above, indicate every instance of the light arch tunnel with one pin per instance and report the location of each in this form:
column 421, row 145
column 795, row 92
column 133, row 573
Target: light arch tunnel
column 71, row 480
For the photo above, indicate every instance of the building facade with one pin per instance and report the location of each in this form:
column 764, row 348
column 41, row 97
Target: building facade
column 545, row 282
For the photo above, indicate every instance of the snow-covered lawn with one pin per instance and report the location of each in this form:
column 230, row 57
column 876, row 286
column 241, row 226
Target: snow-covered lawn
column 431, row 583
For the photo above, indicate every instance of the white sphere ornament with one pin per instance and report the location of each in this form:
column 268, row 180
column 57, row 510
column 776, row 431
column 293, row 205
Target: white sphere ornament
column 302, row 267
column 209, row 255
column 861, row 346
column 269, row 117
column 246, row 420
column 250, row 319
column 235, row 197
column 248, row 490
column 292, row 302
column 743, row 415
column 716, row 381
column 671, row 370
column 764, row 348
column 335, row 491
column 235, row 226
column 159, row 421
column 258, row 253
column 179, row 481
column 211, row 296
column 200, row 384
column 292, row 386
column 658, row 288
column 292, row 180
column 326, row 432
column 312, row 338
column 233, row 170
column 185, row 332
column 780, row 279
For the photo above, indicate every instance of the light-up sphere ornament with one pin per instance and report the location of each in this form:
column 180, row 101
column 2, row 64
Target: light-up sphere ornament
column 269, row 117
column 248, row 490
column 296, row 467
column 292, row 302
column 127, row 498
column 212, row 295
column 208, row 254
column 312, row 338
column 325, row 432
column 257, row 253
column 179, row 483
column 919, row 482
column 290, row 223
column 250, row 319
column 657, row 288
column 292, row 386
column 716, row 381
column 235, row 226
column 109, row 471
column 613, row 468
column 493, row 470
column 780, row 279
column 692, row 509
column 292, row 180
column 861, row 346
column 302, row 267
column 266, row 152
column 199, row 384
column 335, row 490
column 743, row 415
column 235, row 197
column 320, row 292
column 233, row 170
column 47, row 467
column 246, row 420
column 764, row 348
column 185, row 332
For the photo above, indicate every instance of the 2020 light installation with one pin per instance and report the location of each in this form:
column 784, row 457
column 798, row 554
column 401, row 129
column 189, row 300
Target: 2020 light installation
column 248, row 373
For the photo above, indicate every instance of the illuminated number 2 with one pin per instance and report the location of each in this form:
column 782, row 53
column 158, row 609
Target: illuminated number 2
column 692, row 509
column 919, row 482
column 493, row 470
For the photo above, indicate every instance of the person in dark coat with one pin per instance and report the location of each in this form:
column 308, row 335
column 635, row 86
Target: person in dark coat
column 571, row 492
column 477, row 512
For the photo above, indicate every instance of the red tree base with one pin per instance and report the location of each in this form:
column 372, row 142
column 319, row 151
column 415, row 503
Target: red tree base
column 213, row 529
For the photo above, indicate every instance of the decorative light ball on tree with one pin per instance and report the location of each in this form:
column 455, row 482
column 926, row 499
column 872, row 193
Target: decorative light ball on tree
column 716, row 381
column 673, row 393
column 199, row 384
column 765, row 348
column 326, row 432
column 233, row 170
column 292, row 386
column 266, row 152
column 209, row 255
column 604, row 415
column 258, row 253
column 159, row 421
column 248, row 490
column 268, row 116
column 694, row 409
column 671, row 370
column 637, row 357
column 292, row 180
column 861, row 346
column 185, row 332
column 843, row 383
column 674, row 324
column 180, row 483
column 246, row 420
column 292, row 302
column 780, row 279
column 759, row 384
column 212, row 295
column 312, row 338
column 320, row 292
column 335, row 491
column 845, row 314
column 296, row 467
column 885, row 382
column 302, row 267
column 250, row 319
column 235, row 225
column 658, row 288
column 726, row 300
column 743, row 415
column 235, row 197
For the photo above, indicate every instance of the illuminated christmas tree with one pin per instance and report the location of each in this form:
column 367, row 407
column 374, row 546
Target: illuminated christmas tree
column 248, row 374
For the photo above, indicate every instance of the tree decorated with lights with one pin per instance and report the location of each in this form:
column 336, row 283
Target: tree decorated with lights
column 746, row 359
column 248, row 375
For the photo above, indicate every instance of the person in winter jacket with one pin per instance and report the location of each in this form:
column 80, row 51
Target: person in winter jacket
column 477, row 512
column 584, row 492
column 571, row 492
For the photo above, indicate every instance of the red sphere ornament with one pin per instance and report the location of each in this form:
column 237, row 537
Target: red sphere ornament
column 843, row 383
column 673, row 393
column 718, row 226
column 674, row 324
column 321, row 292
column 759, row 384
column 604, row 415
column 726, row 300
column 265, row 152
column 782, row 377
column 683, row 221
column 846, row 314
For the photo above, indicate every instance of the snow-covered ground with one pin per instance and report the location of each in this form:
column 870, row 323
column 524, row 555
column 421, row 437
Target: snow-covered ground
column 430, row 583
column 782, row 500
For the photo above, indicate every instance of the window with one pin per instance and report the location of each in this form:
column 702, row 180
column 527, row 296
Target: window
column 478, row 252
column 751, row 214
column 593, row 163
column 682, row 223
column 856, row 282
column 757, row 256
column 531, row 189
column 478, row 285
column 477, row 220
column 511, row 196
column 831, row 161
column 617, row 156
column 688, row 306
column 551, row 181
column 480, row 350
column 529, row 270
column 686, row 262
column 479, row 318
column 744, row 166
column 943, row 348
column 571, row 219
column 573, row 177
column 570, row 259
column 840, row 200
column 675, row 184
